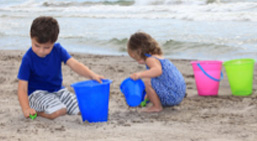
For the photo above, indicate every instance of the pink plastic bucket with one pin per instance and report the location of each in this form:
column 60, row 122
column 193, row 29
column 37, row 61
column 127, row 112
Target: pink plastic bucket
column 207, row 77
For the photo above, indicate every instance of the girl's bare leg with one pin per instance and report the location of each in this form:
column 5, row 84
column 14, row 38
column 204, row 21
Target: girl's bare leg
column 153, row 97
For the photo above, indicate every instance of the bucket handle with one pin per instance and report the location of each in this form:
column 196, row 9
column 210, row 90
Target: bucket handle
column 221, row 74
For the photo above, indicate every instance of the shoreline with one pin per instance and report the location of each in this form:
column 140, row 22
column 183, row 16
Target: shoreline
column 224, row 117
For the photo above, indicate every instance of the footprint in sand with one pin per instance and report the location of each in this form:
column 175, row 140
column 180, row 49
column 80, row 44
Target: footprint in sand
column 2, row 80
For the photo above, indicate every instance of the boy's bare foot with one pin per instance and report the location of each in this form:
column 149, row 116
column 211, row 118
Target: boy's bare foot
column 152, row 109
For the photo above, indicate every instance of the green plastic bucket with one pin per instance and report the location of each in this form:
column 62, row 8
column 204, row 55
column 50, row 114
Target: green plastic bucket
column 240, row 76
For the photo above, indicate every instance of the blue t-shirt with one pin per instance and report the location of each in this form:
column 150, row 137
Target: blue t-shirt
column 43, row 73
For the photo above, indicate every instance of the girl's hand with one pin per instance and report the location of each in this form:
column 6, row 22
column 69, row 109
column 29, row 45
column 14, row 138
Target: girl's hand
column 29, row 111
column 135, row 76
column 97, row 77
column 146, row 97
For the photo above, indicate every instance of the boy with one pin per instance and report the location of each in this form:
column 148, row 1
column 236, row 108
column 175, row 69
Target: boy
column 40, row 76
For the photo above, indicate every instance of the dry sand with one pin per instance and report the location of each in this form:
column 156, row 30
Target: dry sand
column 220, row 118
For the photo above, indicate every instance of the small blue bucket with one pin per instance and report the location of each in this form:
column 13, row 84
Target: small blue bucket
column 133, row 91
column 93, row 99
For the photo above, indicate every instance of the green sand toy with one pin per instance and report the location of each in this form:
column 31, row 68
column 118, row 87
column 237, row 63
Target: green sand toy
column 143, row 103
column 33, row 116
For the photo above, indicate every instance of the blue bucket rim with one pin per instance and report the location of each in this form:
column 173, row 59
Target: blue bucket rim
column 104, row 81
column 128, row 79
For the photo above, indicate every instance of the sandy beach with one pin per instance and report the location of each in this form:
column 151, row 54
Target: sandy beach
column 219, row 118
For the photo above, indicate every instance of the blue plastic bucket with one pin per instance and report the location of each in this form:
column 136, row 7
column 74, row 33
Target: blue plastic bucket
column 93, row 99
column 133, row 91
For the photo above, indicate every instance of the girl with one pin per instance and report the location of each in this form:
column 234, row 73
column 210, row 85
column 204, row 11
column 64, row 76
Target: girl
column 164, row 84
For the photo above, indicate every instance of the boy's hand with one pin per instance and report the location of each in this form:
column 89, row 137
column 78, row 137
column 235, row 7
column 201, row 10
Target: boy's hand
column 97, row 77
column 135, row 76
column 29, row 111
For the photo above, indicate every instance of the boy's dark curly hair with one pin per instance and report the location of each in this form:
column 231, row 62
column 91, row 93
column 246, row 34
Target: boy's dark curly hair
column 44, row 29
column 143, row 43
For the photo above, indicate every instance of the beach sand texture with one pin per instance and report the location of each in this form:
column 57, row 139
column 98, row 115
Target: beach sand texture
column 220, row 118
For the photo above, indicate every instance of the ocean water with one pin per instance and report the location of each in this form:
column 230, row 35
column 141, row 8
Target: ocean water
column 187, row 29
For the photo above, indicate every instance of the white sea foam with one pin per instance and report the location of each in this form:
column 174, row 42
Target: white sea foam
column 197, row 11
column 183, row 27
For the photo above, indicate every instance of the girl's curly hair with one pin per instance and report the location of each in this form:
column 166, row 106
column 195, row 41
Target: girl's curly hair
column 143, row 43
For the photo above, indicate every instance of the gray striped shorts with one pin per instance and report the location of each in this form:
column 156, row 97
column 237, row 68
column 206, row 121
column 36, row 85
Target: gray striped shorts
column 44, row 101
